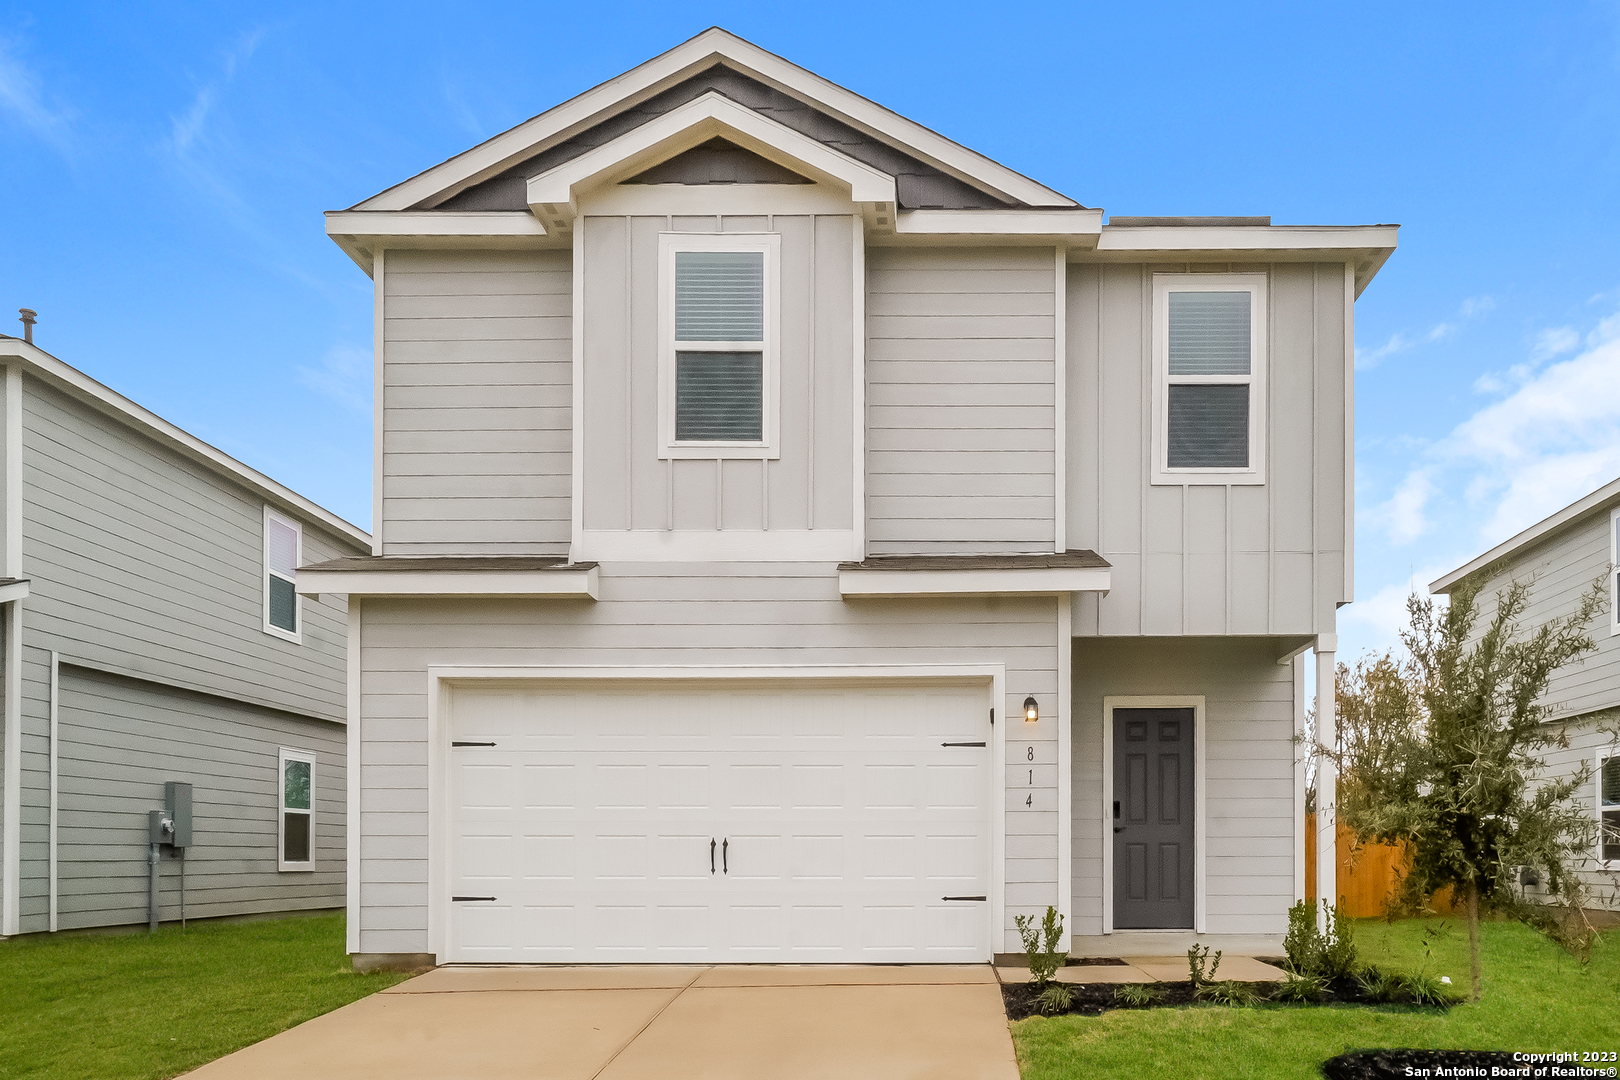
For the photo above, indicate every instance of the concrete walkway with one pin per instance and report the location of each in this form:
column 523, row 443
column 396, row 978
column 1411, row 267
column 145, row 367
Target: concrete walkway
column 653, row 1023
column 1145, row 969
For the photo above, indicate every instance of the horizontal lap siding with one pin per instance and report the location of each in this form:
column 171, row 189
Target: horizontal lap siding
column 1208, row 559
column 699, row 614
column 960, row 414
column 476, row 402
column 1249, row 813
column 1587, row 738
column 122, row 739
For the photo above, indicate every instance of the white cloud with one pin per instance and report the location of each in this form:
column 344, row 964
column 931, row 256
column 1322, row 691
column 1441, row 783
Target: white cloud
column 1554, row 341
column 1371, row 358
column 187, row 129
column 344, row 374
column 1375, row 622
column 1400, row 341
column 23, row 99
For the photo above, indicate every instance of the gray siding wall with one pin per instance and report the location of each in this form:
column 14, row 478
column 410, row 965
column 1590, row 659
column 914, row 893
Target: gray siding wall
column 692, row 614
column 1587, row 737
column 476, row 402
column 121, row 739
column 960, row 407
column 1559, row 569
column 1208, row 559
column 144, row 564
column 627, row 486
column 1249, row 813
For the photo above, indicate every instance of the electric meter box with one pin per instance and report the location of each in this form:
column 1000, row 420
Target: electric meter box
column 177, row 805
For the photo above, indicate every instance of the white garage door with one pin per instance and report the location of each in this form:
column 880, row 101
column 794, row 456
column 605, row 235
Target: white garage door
column 636, row 822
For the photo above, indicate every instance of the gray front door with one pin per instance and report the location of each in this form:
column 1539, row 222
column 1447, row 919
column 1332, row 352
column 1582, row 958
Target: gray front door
column 1153, row 819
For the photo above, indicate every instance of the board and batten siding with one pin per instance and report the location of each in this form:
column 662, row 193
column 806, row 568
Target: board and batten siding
column 1208, row 559
column 1250, row 817
column 692, row 614
column 626, row 484
column 476, row 401
column 960, row 400
column 121, row 739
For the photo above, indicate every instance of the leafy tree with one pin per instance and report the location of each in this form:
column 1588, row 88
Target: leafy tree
column 1447, row 756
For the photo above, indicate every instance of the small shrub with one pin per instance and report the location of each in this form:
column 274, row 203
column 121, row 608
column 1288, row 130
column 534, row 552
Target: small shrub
column 1423, row 989
column 1138, row 994
column 1301, row 988
column 1231, row 992
column 1056, row 998
column 1378, row 986
column 1339, row 943
column 1041, row 945
column 1197, row 959
column 1303, row 943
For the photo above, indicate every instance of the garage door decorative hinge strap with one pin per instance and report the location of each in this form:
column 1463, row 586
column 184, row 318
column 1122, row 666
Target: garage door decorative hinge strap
column 963, row 898
column 472, row 744
column 458, row 898
column 961, row 744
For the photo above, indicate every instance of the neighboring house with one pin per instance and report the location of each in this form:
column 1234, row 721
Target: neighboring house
column 748, row 458
column 1560, row 558
column 151, row 635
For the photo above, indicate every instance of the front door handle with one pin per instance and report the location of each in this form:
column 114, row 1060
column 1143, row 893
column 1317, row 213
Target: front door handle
column 711, row 854
column 1119, row 828
column 724, row 845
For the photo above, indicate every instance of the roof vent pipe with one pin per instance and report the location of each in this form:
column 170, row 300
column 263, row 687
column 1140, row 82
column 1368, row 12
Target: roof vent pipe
column 29, row 317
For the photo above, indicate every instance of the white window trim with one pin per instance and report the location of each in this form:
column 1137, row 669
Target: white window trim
column 769, row 446
column 1614, row 568
column 282, row 758
column 1597, row 807
column 1255, row 286
column 1195, row 702
column 294, row 636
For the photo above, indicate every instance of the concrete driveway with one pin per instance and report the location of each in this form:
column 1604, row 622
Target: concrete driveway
column 653, row 1023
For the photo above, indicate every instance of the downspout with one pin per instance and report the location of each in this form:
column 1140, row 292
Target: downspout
column 11, row 839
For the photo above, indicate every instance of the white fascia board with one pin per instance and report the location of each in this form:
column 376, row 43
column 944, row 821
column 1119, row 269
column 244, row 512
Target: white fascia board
column 1036, row 580
column 530, row 584
column 1542, row 529
column 699, row 120
column 1248, row 238
column 704, row 51
column 78, row 385
column 385, row 224
column 17, row 590
column 1081, row 227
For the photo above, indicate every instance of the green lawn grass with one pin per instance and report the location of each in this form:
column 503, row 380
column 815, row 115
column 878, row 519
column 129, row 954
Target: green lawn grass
column 1535, row 997
column 139, row 1007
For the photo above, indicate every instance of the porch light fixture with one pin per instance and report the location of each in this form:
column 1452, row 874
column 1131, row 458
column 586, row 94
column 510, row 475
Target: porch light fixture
column 1032, row 711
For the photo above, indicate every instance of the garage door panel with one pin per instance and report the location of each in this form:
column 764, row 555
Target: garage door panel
column 845, row 821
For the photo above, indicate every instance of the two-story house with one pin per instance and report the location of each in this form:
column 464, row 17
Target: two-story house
column 152, row 636
column 801, row 538
column 1561, row 557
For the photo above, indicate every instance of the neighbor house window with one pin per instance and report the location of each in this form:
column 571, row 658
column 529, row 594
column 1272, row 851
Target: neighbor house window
column 283, row 549
column 1209, row 378
column 718, row 364
column 296, row 833
column 1608, row 793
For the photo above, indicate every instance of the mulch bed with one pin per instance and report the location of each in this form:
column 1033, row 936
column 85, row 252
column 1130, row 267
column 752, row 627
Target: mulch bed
column 1094, row 999
column 1392, row 1064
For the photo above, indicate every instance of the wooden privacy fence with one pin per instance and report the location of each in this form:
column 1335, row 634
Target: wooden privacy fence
column 1368, row 874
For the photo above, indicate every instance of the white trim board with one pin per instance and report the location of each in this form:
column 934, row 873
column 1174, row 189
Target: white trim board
column 443, row 678
column 1546, row 527
column 706, row 50
column 354, row 808
column 530, row 584
column 1200, row 881
column 1036, row 580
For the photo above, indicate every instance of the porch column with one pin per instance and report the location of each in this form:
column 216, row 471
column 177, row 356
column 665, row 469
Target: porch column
column 1327, row 775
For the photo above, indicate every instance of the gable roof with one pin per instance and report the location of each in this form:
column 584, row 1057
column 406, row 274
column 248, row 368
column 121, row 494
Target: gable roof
column 1603, row 498
column 76, row 384
column 933, row 166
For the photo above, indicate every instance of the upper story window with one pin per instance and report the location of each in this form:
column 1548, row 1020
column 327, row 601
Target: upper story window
column 283, row 551
column 296, row 831
column 718, row 364
column 1209, row 354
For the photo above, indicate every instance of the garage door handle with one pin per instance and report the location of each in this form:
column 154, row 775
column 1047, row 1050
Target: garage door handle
column 711, row 854
column 724, row 869
column 457, row 898
column 961, row 744
column 963, row 898
column 472, row 744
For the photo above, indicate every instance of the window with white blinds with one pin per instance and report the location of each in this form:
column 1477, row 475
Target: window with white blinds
column 1608, row 783
column 283, row 550
column 719, row 358
column 1209, row 357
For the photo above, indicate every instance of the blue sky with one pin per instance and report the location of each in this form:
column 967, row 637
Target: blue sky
column 165, row 168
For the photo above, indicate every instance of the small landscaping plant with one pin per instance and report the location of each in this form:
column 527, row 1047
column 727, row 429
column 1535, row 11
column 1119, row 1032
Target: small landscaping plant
column 1339, row 943
column 1230, row 992
column 1040, row 942
column 1300, row 988
column 1200, row 971
column 1331, row 955
column 1138, row 995
column 1421, row 988
column 1055, row 998
column 1378, row 986
column 1303, row 943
